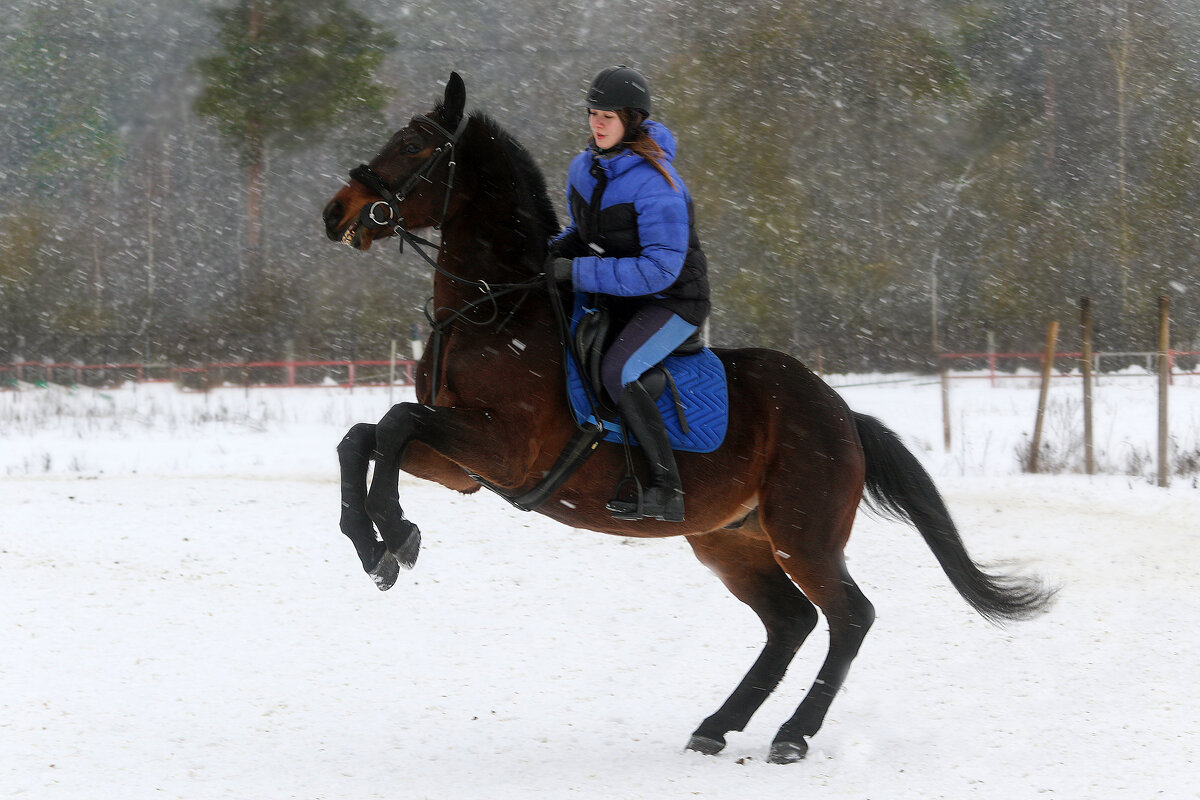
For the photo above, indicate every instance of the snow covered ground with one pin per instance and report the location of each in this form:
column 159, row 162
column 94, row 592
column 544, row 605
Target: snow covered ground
column 179, row 617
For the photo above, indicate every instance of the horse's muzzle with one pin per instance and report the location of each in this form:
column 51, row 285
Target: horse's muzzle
column 334, row 216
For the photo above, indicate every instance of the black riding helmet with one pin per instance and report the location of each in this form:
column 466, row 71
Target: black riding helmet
column 619, row 87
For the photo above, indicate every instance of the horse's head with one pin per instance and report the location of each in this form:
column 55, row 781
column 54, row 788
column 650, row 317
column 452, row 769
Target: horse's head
column 408, row 184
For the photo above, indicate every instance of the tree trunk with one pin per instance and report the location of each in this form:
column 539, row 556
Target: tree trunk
column 254, row 207
column 254, row 170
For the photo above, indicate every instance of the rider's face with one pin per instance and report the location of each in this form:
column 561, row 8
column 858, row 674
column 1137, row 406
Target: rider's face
column 606, row 128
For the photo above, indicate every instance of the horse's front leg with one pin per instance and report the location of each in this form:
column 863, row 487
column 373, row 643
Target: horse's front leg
column 354, row 458
column 455, row 435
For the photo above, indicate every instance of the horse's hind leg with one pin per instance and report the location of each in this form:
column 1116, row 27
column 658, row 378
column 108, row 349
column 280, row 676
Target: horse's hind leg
column 354, row 458
column 748, row 568
column 826, row 582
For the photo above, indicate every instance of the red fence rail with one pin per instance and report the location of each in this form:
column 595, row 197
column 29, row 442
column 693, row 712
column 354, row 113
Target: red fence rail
column 351, row 373
column 1065, row 362
column 344, row 373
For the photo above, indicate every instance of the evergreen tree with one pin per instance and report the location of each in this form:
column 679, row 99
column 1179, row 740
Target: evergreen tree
column 287, row 71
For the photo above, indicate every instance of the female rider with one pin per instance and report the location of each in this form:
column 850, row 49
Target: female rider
column 632, row 241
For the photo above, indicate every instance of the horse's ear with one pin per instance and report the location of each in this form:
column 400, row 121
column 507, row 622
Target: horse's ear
column 456, row 98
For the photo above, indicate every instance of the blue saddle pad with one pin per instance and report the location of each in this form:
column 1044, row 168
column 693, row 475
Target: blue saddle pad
column 703, row 394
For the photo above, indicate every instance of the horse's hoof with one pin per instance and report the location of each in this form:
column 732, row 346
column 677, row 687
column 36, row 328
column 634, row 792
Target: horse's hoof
column 706, row 745
column 407, row 553
column 385, row 572
column 788, row 752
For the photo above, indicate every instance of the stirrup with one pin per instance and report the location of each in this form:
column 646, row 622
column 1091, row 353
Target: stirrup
column 667, row 510
column 625, row 508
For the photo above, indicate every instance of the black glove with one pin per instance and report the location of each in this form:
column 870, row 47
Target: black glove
column 562, row 269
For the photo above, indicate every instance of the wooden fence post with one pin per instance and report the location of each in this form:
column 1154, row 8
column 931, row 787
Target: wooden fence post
column 991, row 349
column 289, row 355
column 1085, row 364
column 392, row 372
column 1047, row 370
column 944, row 371
column 1164, row 385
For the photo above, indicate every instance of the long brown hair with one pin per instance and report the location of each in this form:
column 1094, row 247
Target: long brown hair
column 638, row 140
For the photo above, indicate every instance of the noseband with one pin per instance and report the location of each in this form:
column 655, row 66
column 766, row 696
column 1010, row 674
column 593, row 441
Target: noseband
column 385, row 213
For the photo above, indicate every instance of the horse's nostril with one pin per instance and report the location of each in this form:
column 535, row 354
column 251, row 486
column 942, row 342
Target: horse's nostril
column 333, row 218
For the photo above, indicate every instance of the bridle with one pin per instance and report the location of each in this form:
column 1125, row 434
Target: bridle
column 385, row 214
column 389, row 206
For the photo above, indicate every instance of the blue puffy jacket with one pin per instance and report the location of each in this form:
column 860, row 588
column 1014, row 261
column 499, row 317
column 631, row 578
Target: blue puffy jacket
column 631, row 234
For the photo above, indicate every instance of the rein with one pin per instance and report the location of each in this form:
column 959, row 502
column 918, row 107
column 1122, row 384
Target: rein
column 587, row 435
column 491, row 294
column 583, row 442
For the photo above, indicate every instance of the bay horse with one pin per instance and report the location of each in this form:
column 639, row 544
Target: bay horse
column 769, row 511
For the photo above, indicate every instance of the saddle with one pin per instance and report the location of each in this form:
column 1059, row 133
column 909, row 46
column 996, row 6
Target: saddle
column 591, row 339
column 688, row 386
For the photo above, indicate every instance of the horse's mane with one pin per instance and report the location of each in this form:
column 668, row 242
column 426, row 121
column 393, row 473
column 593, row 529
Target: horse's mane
column 530, row 183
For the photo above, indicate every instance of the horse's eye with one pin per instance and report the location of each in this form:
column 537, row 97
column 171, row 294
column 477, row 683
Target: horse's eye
column 410, row 149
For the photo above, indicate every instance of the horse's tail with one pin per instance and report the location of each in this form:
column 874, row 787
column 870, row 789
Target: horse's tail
column 899, row 487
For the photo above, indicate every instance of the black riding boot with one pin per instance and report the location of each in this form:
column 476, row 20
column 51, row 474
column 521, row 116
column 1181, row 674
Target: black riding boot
column 663, row 497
